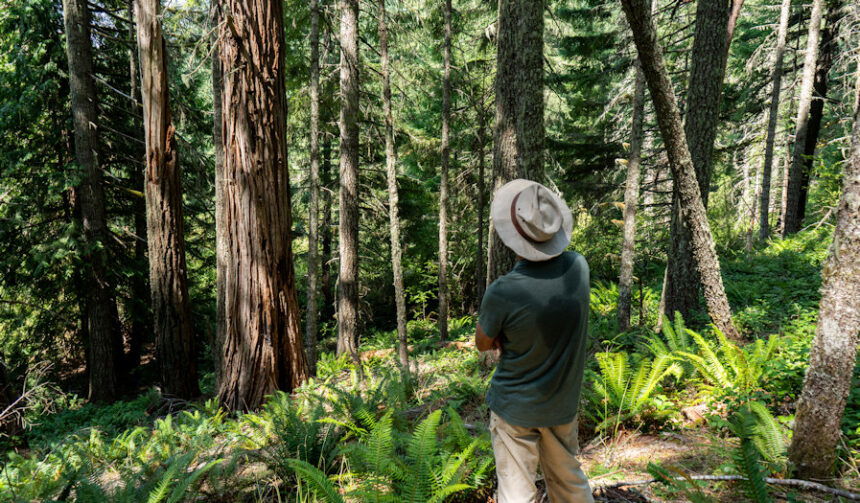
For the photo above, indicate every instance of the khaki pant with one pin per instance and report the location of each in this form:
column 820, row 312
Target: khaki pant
column 518, row 452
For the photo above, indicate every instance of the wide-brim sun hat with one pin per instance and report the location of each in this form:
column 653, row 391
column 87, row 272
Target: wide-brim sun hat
column 531, row 220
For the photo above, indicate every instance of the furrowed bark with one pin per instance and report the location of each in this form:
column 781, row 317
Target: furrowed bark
column 518, row 135
column 347, row 310
column 704, row 90
column 262, row 344
column 174, row 340
column 834, row 349
column 104, row 348
column 669, row 120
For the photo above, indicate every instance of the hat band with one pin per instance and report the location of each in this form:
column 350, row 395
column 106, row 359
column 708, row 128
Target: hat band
column 516, row 222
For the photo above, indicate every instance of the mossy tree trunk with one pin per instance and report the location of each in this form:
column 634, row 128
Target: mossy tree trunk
column 684, row 175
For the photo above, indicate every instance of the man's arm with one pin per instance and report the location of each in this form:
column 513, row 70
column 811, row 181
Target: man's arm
column 484, row 342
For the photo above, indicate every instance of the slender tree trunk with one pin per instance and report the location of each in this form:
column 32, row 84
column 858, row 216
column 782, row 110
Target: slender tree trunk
column 262, row 350
column 222, row 254
column 328, row 310
column 347, row 308
column 683, row 172
column 105, row 343
column 772, row 119
column 139, row 309
column 518, row 135
column 631, row 200
column 443, row 177
column 174, row 340
column 393, row 196
column 826, row 51
column 704, row 90
column 834, row 349
column 792, row 218
column 313, row 210
column 480, row 266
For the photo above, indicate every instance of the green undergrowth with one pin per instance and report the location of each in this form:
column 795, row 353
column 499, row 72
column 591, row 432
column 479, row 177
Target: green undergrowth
column 370, row 436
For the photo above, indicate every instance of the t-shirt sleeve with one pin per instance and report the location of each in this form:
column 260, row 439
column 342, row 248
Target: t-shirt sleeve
column 493, row 312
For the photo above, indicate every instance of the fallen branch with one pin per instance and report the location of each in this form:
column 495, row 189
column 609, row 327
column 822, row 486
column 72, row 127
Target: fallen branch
column 802, row 484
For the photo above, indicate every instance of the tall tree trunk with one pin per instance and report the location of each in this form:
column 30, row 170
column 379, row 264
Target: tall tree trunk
column 773, row 117
column 139, row 309
column 174, row 340
column 683, row 172
column 834, row 349
column 518, row 135
column 347, row 301
column 222, row 254
column 792, row 218
column 631, row 200
column 328, row 310
column 529, row 85
column 393, row 195
column 827, row 48
column 443, row 177
column 313, row 210
column 262, row 347
column 704, row 90
column 105, row 344
column 480, row 266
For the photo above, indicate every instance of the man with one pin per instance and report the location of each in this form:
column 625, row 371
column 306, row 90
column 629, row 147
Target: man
column 537, row 314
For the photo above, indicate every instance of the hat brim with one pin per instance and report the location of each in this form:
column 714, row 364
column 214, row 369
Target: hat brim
column 500, row 210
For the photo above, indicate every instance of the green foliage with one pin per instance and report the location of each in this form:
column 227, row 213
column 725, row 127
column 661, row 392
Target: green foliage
column 727, row 368
column 416, row 468
column 747, row 425
column 169, row 484
column 627, row 393
column 299, row 434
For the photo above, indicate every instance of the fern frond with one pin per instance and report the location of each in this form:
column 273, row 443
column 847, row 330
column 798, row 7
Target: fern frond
column 191, row 480
column 319, row 483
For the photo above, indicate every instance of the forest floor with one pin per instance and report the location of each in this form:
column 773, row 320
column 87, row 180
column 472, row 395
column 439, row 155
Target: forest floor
column 147, row 444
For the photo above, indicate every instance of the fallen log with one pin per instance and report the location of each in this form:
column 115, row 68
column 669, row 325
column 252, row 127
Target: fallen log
column 801, row 484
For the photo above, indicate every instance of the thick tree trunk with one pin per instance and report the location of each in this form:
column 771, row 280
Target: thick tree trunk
column 174, row 340
column 445, row 153
column 262, row 344
column 311, row 326
column 347, row 301
column 791, row 218
column 529, row 86
column 832, row 357
column 826, row 51
column 704, row 90
column 773, row 117
column 139, row 309
column 683, row 172
column 518, row 135
column 631, row 200
column 105, row 345
column 222, row 256
column 393, row 195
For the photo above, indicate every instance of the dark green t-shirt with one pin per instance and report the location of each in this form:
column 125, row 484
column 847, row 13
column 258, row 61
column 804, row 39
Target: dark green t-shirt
column 540, row 309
